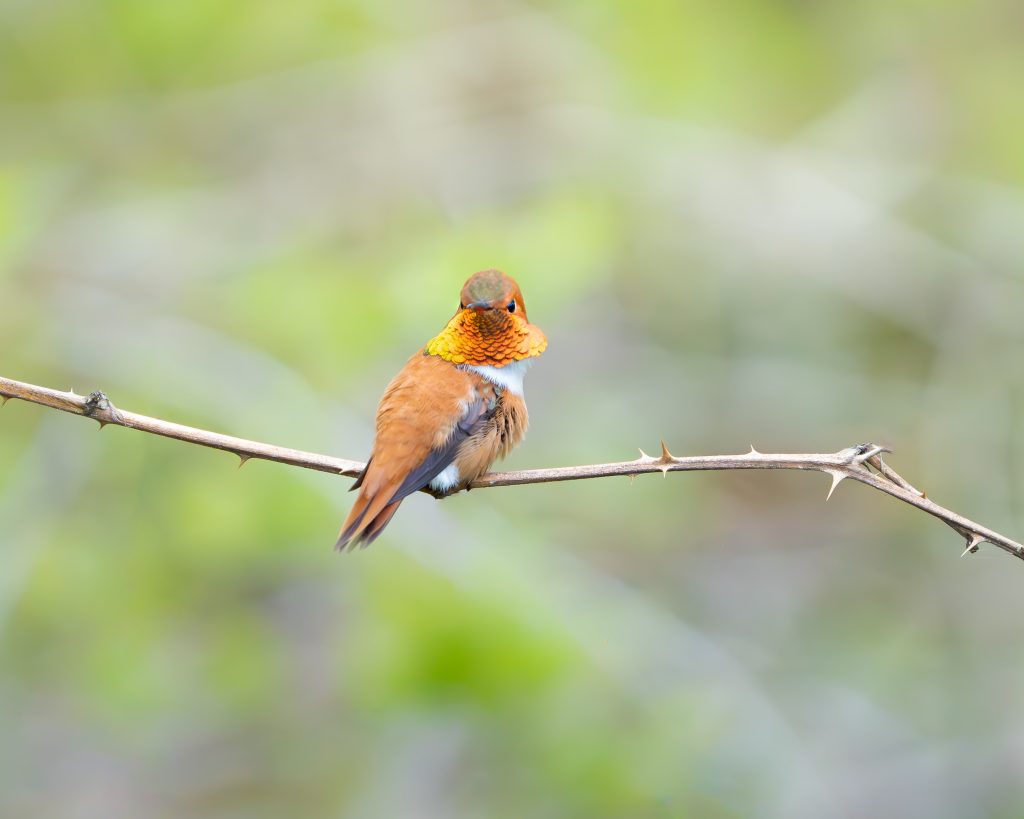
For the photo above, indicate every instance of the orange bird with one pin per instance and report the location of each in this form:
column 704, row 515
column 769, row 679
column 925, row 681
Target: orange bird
column 455, row 407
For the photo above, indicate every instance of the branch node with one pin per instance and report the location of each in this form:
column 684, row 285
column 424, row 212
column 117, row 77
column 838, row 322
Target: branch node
column 874, row 452
column 892, row 475
column 100, row 409
column 862, row 452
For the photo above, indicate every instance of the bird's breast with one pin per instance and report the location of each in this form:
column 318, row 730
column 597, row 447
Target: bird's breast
column 509, row 377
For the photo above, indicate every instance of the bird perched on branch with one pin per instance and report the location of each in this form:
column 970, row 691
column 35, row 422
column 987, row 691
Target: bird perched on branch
column 455, row 407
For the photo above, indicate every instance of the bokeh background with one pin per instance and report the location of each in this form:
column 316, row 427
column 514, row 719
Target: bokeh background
column 789, row 224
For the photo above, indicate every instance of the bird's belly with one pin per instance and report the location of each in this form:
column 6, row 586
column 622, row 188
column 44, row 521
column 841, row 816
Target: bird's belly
column 495, row 439
column 447, row 480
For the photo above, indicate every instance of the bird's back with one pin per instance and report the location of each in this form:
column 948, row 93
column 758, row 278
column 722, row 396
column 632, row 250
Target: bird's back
column 436, row 422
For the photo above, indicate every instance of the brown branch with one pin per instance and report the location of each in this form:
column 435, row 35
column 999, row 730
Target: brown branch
column 862, row 463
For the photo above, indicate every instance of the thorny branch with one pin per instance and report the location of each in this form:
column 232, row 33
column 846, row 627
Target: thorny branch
column 862, row 463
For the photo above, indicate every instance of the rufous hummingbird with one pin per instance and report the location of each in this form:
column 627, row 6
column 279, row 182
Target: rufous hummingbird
column 455, row 407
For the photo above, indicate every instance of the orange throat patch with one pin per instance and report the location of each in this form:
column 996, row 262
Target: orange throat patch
column 489, row 337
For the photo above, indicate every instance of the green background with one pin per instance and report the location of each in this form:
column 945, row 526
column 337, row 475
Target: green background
column 796, row 225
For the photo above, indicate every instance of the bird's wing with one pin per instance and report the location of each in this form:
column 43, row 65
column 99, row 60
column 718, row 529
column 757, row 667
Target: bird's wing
column 477, row 413
column 430, row 408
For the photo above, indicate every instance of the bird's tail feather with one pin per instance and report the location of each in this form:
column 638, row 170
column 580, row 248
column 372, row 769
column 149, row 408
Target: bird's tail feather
column 366, row 520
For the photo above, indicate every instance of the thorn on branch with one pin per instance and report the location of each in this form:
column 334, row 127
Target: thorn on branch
column 243, row 459
column 663, row 462
column 973, row 544
column 753, row 451
column 665, row 459
column 837, row 478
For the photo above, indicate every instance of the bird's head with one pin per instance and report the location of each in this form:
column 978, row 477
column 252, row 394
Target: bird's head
column 490, row 327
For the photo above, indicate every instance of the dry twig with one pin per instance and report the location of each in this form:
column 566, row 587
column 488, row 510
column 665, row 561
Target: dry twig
column 862, row 463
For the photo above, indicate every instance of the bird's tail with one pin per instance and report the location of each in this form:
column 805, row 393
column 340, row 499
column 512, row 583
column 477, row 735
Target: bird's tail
column 366, row 521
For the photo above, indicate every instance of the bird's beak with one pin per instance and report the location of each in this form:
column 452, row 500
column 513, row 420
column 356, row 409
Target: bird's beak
column 479, row 305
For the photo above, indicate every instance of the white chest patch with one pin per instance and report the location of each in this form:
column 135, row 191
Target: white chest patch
column 510, row 377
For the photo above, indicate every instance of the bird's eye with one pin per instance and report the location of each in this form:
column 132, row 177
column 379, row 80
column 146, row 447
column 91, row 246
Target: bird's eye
column 462, row 306
column 511, row 306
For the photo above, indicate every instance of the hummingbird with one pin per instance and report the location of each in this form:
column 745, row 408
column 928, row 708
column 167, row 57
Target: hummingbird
column 455, row 407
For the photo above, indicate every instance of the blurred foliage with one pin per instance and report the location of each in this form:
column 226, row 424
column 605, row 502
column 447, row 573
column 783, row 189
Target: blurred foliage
column 793, row 224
